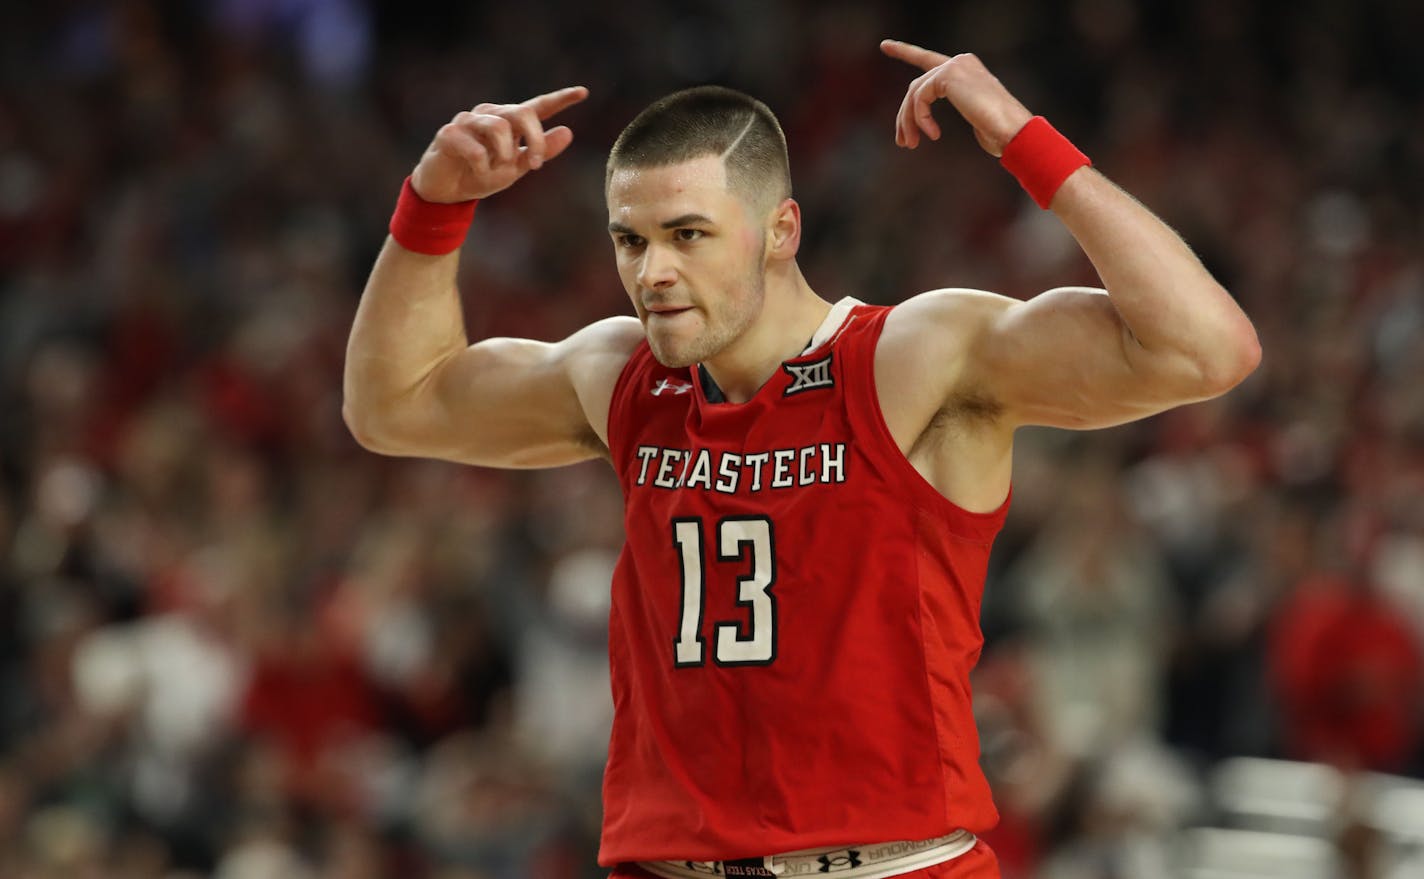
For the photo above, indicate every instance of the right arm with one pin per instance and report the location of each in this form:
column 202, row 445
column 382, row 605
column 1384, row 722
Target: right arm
column 413, row 384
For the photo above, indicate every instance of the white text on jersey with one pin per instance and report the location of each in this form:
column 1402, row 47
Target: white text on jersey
column 779, row 468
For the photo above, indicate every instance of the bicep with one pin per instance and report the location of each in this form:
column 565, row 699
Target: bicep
column 1066, row 359
column 520, row 403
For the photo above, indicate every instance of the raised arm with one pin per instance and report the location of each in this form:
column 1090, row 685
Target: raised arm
column 1165, row 333
column 415, row 386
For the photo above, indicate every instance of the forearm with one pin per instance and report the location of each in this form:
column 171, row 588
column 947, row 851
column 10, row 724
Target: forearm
column 1174, row 309
column 408, row 322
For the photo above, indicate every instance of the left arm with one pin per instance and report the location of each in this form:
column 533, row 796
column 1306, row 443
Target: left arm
column 1165, row 333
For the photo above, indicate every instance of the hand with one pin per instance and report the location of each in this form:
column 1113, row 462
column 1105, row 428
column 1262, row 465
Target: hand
column 966, row 83
column 484, row 150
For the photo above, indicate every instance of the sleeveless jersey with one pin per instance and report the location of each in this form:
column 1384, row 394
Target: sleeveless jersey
column 794, row 617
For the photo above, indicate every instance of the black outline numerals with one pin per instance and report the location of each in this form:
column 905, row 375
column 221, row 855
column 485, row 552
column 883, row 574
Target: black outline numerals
column 738, row 537
column 749, row 539
column 688, row 646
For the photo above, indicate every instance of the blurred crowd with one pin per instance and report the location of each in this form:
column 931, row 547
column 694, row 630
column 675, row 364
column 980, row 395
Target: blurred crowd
column 234, row 644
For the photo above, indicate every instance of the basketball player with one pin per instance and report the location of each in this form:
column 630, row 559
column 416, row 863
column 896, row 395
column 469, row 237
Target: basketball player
column 811, row 487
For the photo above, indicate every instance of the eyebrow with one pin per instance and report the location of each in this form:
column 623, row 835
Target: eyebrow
column 674, row 223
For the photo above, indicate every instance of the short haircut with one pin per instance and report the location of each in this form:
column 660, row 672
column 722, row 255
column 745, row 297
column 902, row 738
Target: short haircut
column 710, row 120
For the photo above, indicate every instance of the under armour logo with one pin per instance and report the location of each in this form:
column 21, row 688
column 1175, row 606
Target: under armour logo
column 675, row 387
column 847, row 861
column 808, row 376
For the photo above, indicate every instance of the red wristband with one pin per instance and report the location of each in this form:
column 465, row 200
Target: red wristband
column 427, row 226
column 1041, row 159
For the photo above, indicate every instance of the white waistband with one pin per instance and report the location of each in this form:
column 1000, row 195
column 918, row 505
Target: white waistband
column 875, row 861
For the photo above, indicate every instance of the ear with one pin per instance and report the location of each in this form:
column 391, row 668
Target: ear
column 783, row 235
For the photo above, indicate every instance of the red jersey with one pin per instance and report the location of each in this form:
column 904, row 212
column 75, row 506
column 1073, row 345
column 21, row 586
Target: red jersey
column 795, row 615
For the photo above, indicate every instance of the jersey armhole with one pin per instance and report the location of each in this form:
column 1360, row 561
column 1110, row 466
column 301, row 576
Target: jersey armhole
column 967, row 524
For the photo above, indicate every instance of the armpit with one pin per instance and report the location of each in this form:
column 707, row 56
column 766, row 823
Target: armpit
column 962, row 413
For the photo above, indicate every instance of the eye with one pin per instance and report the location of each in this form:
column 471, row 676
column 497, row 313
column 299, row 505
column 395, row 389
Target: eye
column 630, row 241
column 688, row 234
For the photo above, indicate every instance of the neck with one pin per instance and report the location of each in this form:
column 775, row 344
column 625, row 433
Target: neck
column 791, row 311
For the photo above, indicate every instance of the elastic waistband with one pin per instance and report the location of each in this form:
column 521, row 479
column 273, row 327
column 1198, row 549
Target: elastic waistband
column 874, row 861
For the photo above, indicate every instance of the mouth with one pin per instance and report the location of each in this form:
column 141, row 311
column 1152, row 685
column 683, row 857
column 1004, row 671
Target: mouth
column 667, row 310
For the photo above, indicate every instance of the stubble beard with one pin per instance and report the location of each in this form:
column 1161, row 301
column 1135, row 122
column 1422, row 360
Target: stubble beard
column 717, row 334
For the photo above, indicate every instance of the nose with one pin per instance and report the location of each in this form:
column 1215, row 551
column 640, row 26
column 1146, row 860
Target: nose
column 656, row 270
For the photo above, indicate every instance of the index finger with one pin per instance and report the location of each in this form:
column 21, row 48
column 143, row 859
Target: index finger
column 547, row 105
column 912, row 54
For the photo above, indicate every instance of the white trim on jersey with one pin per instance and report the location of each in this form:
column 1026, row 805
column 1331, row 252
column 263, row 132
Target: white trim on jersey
column 832, row 323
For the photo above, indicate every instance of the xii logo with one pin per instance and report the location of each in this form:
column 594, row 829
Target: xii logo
column 808, row 376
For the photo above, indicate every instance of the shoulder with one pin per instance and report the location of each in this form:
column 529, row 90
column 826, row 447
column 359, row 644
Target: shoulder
column 961, row 311
column 611, row 337
column 601, row 348
column 932, row 339
column 593, row 359
column 926, row 359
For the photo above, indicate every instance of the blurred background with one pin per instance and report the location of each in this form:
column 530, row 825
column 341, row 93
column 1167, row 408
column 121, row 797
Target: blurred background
column 234, row 644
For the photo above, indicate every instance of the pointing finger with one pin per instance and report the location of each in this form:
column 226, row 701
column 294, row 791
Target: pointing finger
column 912, row 54
column 548, row 104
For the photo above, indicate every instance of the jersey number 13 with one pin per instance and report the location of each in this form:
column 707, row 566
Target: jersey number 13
column 743, row 539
